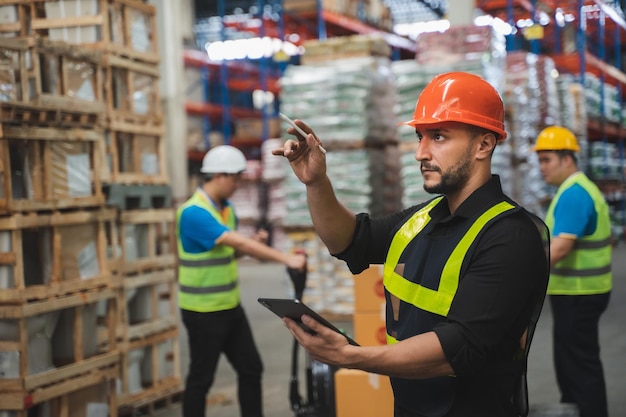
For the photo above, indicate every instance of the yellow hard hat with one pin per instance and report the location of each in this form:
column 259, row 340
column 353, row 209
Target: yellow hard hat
column 556, row 138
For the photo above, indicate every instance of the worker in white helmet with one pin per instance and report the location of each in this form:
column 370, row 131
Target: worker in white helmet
column 208, row 297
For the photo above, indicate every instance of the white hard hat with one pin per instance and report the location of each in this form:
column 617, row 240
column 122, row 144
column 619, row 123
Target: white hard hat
column 223, row 159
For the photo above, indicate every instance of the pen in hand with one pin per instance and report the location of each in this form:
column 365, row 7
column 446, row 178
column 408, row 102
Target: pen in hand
column 299, row 130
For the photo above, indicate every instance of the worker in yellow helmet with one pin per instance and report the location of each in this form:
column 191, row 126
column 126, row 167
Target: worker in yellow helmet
column 580, row 278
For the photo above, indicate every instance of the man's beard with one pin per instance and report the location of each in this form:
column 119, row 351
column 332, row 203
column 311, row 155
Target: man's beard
column 454, row 179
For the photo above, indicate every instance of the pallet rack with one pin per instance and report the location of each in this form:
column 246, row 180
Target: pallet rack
column 82, row 112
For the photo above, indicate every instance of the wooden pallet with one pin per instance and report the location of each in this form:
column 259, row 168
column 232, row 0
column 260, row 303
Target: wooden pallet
column 160, row 377
column 71, row 397
column 45, row 255
column 156, row 403
column 63, row 115
column 45, row 168
column 148, row 305
column 147, row 240
column 62, row 351
column 135, row 156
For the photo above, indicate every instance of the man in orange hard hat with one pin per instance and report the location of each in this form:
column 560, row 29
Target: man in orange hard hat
column 581, row 278
column 465, row 273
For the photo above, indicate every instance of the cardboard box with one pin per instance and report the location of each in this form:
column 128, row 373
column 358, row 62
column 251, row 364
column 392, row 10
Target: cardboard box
column 369, row 292
column 359, row 393
column 369, row 328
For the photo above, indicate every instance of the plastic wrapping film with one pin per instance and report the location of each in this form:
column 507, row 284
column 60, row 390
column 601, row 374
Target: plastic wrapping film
column 10, row 89
column 71, row 169
column 81, row 80
column 144, row 98
column 79, row 253
column 63, row 9
column 343, row 100
column 140, row 31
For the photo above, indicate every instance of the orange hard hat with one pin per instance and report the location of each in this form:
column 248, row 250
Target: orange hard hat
column 460, row 97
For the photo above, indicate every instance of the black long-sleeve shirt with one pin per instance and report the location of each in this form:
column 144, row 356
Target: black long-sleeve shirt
column 501, row 281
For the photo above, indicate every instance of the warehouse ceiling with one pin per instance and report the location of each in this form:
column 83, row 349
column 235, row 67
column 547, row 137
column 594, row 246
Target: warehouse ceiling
column 402, row 10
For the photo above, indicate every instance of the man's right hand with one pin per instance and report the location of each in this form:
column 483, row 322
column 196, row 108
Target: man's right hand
column 305, row 155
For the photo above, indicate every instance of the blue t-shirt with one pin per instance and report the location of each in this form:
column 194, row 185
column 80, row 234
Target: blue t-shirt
column 199, row 230
column 575, row 213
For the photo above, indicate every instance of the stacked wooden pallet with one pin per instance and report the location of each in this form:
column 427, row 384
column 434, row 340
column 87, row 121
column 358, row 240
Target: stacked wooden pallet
column 84, row 189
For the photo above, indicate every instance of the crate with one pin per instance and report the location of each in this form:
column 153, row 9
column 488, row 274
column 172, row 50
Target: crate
column 126, row 27
column 150, row 370
column 131, row 92
column 42, row 72
column 55, row 254
column 46, row 168
column 147, row 240
column 51, row 345
column 135, row 155
column 83, row 396
column 148, row 305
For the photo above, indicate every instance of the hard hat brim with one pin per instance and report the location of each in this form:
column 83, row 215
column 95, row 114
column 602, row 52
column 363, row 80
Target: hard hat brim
column 426, row 122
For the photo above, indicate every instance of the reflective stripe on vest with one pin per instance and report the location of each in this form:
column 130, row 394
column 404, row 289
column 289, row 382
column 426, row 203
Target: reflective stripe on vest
column 434, row 301
column 587, row 268
column 207, row 280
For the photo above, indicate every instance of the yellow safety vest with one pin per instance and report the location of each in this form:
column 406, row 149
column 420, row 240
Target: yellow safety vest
column 434, row 301
column 586, row 269
column 207, row 281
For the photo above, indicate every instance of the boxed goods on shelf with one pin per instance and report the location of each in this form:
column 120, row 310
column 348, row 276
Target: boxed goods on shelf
column 150, row 370
column 54, row 254
column 343, row 47
column 148, row 304
column 131, row 91
column 48, row 167
column 134, row 155
column 148, row 240
column 53, row 345
column 126, row 27
column 43, row 72
column 344, row 101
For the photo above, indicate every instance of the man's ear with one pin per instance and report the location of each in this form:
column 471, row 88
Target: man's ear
column 486, row 145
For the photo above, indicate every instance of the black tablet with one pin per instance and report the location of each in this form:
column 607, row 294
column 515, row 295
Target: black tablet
column 294, row 309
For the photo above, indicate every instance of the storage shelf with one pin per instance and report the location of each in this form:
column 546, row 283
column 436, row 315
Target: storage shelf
column 570, row 63
column 214, row 111
column 359, row 27
column 241, row 76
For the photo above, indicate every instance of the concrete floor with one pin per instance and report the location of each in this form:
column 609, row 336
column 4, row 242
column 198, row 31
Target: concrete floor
column 275, row 344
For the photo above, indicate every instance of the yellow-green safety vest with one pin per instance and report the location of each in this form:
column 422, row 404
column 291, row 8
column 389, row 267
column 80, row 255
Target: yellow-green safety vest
column 434, row 301
column 586, row 269
column 207, row 281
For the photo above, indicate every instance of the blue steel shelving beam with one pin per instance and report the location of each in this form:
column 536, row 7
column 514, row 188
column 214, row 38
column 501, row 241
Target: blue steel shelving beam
column 206, row 95
column 321, row 23
column 534, row 43
column 224, row 80
column 263, row 72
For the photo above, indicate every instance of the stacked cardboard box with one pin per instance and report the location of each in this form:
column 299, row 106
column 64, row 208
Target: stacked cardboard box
column 358, row 392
